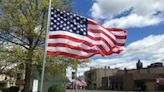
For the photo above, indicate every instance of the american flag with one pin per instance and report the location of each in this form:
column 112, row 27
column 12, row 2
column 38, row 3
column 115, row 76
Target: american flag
column 78, row 37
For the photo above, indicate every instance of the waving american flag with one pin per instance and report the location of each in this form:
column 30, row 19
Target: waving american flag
column 78, row 37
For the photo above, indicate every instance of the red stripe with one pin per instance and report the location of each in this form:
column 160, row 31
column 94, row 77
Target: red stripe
column 121, row 44
column 50, row 53
column 69, row 55
column 98, row 31
column 116, row 30
column 72, row 47
column 71, row 38
column 102, row 51
column 120, row 37
column 93, row 22
column 100, row 39
column 94, row 31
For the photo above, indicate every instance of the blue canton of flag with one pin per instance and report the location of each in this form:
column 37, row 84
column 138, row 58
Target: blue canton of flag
column 64, row 21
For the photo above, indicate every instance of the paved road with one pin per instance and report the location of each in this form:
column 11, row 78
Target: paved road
column 94, row 91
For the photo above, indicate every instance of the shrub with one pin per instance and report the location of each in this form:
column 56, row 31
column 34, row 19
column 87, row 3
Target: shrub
column 13, row 89
column 57, row 88
column 5, row 90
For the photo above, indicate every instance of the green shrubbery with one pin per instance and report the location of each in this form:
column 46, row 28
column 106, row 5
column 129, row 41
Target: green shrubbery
column 57, row 88
column 11, row 89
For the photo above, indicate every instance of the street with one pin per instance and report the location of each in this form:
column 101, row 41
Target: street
column 93, row 91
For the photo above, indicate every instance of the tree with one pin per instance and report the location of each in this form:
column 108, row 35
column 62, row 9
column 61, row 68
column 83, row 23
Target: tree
column 9, row 58
column 61, row 63
column 18, row 26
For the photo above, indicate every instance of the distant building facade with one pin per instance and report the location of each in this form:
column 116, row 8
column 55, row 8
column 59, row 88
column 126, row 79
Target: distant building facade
column 140, row 79
column 149, row 79
column 94, row 77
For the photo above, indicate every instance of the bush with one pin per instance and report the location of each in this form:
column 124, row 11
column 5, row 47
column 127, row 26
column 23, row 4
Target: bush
column 5, row 90
column 57, row 88
column 13, row 89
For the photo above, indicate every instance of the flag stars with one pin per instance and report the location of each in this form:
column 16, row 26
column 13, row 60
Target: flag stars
column 57, row 10
column 77, row 31
column 71, row 16
column 65, row 24
column 57, row 28
column 63, row 21
column 64, row 15
column 58, row 24
column 67, row 14
column 70, row 30
column 64, row 28
column 55, row 21
column 77, row 18
column 52, row 13
column 84, row 33
column 52, row 23
column 68, row 22
column 58, row 19
column 74, row 28
column 71, row 25
column 61, row 26
column 54, row 26
column 51, row 28
column 55, row 16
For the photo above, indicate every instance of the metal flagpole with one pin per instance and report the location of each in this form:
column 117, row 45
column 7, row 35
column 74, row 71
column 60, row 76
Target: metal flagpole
column 76, row 80
column 45, row 52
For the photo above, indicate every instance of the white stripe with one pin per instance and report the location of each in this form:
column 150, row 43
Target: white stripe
column 120, row 40
column 121, row 47
column 79, row 37
column 73, row 43
column 119, row 33
column 97, row 27
column 68, row 50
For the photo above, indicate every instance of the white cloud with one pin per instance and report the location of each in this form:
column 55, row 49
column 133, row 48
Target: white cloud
column 141, row 12
column 133, row 20
column 149, row 50
column 109, row 8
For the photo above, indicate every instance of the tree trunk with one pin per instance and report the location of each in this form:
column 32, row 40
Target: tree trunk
column 28, row 75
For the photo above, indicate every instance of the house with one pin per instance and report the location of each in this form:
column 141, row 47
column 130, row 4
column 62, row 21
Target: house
column 6, row 81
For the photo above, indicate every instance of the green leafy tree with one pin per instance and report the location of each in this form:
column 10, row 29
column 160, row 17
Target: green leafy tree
column 9, row 58
column 18, row 26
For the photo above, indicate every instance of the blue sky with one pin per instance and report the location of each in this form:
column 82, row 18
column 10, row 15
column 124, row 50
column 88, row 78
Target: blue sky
column 83, row 7
column 144, row 21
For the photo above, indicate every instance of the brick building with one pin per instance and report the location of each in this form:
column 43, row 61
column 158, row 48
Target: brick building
column 94, row 77
column 150, row 78
column 136, row 79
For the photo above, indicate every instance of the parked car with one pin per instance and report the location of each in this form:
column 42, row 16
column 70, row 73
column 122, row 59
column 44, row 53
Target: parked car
column 69, row 85
column 79, row 84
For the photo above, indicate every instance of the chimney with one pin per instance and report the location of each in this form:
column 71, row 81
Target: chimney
column 105, row 67
column 139, row 64
column 125, row 70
